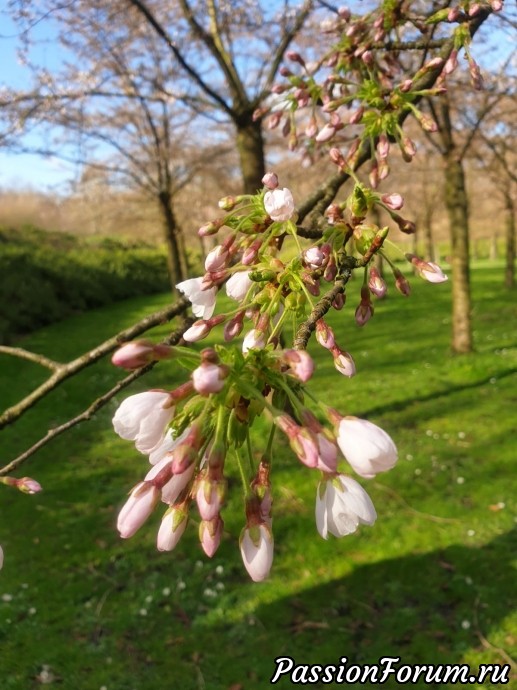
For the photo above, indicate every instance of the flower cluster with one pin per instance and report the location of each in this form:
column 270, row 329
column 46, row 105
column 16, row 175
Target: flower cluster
column 192, row 433
column 360, row 87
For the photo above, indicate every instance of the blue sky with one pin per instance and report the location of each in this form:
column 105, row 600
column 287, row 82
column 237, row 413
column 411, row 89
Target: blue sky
column 53, row 175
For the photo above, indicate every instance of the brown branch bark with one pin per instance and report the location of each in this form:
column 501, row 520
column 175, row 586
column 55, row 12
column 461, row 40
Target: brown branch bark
column 31, row 356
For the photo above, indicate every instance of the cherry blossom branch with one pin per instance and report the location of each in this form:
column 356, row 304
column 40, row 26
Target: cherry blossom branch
column 325, row 194
column 95, row 406
column 61, row 372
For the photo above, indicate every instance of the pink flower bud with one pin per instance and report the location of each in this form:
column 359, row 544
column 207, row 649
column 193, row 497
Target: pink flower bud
column 134, row 355
column 364, row 311
column 338, row 302
column 406, row 85
column 452, row 62
column 254, row 340
column 28, row 485
column 366, row 447
column 373, row 175
column 210, row 497
column 326, row 133
column 344, row 13
column 427, row 269
column 453, row 14
column 137, row 508
column 256, row 543
column 407, row 148
column 295, row 57
column 172, row 490
column 337, row 158
column 300, row 364
column 356, row 116
column 325, row 335
column 198, row 331
column 393, row 201
column 210, row 228
column 330, row 270
column 238, row 285
column 172, row 527
column 383, row 146
column 343, row 362
column 496, row 5
column 376, row 283
column 208, row 378
column 210, row 533
column 216, row 259
column 401, row 283
column 270, row 180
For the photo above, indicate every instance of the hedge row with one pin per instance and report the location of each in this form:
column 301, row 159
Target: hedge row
column 45, row 277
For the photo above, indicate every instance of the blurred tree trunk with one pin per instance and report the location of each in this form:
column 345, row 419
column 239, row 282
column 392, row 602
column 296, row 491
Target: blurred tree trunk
column 250, row 145
column 509, row 274
column 175, row 256
column 456, row 203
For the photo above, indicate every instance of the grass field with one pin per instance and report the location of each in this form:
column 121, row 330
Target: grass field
column 433, row 581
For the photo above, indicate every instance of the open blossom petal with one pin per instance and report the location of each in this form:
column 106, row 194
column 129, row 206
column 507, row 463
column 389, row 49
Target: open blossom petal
column 203, row 301
column 238, row 285
column 257, row 551
column 144, row 418
column 367, row 447
column 279, row 204
column 341, row 506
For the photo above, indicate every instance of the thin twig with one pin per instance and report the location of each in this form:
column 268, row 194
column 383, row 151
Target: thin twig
column 65, row 371
column 94, row 407
column 31, row 356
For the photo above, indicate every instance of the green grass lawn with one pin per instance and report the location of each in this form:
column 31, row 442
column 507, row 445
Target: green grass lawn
column 433, row 581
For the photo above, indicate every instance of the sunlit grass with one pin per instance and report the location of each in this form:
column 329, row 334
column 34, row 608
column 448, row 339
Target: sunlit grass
column 433, row 581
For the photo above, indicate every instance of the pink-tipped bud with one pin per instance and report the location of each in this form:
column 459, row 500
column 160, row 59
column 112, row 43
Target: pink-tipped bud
column 401, row 283
column 216, row 259
column 427, row 269
column 137, row 508
column 210, row 497
column 234, row 327
column 300, row 364
column 452, row 62
column 257, row 545
column 199, row 330
column 356, row 116
column 343, row 362
column 139, row 353
column 210, row 533
column 383, row 146
column 210, row 228
column 295, row 57
column 325, row 335
column 334, row 213
column 496, row 5
column 407, row 148
column 376, row 283
column 344, row 13
column 172, row 527
column 209, row 378
column 364, row 311
column 426, row 122
column 326, row 133
column 270, row 180
column 475, row 9
column 453, row 14
column 393, row 201
column 28, row 485
column 406, row 85
column 228, row 203
column 337, row 158
column 330, row 270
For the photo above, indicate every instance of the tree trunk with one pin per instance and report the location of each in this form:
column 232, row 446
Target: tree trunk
column 250, row 144
column 172, row 233
column 509, row 273
column 457, row 209
column 428, row 234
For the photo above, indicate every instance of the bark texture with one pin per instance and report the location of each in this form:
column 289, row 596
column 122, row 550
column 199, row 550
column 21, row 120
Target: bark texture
column 250, row 145
column 509, row 273
column 172, row 231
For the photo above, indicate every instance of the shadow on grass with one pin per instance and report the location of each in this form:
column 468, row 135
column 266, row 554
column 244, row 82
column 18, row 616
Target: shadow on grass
column 435, row 607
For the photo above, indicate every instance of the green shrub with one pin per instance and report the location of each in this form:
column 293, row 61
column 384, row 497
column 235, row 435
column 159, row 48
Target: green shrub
column 45, row 277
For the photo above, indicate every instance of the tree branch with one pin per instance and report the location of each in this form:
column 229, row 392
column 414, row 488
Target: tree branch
column 65, row 371
column 31, row 356
column 90, row 411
